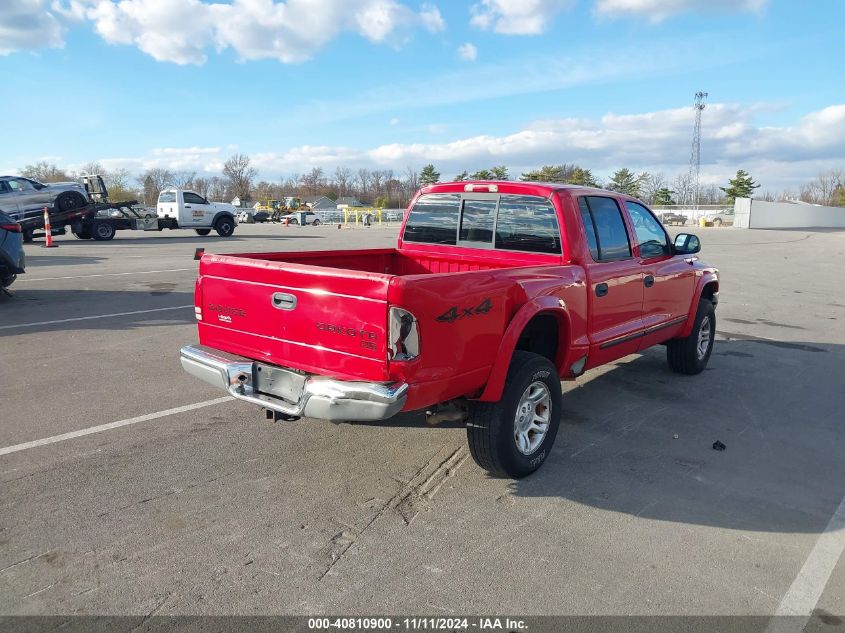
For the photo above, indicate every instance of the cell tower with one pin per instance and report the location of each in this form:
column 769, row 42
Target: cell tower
column 695, row 155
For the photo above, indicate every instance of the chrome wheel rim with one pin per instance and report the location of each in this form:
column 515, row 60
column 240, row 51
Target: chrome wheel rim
column 531, row 422
column 704, row 336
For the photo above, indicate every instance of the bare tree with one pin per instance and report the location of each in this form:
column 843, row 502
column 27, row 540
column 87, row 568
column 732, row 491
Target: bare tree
column 682, row 186
column 45, row 172
column 152, row 182
column 363, row 181
column 313, row 181
column 201, row 186
column 650, row 185
column 240, row 175
column 217, row 188
column 183, row 179
column 343, row 180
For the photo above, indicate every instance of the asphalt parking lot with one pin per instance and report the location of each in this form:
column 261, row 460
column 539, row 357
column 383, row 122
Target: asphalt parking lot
column 213, row 510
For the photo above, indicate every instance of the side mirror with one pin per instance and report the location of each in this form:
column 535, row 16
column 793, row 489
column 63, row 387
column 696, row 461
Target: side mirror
column 686, row 244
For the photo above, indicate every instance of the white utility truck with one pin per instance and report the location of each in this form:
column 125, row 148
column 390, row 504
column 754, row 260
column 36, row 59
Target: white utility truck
column 185, row 209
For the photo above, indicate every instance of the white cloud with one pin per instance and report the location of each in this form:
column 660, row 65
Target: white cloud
column 394, row 121
column 184, row 31
column 778, row 157
column 431, row 18
column 27, row 25
column 468, row 52
column 516, row 17
column 658, row 10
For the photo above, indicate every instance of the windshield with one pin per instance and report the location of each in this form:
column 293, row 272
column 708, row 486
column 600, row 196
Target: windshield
column 167, row 196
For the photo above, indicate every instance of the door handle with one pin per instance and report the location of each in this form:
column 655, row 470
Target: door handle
column 648, row 281
column 601, row 290
column 187, row 206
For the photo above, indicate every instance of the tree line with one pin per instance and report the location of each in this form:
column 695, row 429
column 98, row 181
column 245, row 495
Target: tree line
column 391, row 189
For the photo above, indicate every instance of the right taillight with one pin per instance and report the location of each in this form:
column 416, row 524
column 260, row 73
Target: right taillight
column 404, row 335
column 14, row 227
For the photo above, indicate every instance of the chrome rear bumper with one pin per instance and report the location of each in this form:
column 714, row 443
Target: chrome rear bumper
column 303, row 395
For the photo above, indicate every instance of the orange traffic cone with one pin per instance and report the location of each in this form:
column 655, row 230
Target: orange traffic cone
column 48, row 233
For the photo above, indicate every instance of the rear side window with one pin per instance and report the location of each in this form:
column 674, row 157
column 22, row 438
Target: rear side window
column 167, row 196
column 605, row 228
column 527, row 223
column 434, row 219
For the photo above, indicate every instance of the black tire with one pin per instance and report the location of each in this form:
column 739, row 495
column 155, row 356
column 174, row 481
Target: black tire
column 27, row 236
column 491, row 429
column 717, row 222
column 224, row 226
column 316, row 222
column 102, row 231
column 69, row 201
column 203, row 231
column 83, row 234
column 7, row 281
column 684, row 354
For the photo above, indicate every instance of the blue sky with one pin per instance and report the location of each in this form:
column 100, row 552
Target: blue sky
column 390, row 84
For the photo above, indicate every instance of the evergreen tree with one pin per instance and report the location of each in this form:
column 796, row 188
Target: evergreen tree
column 547, row 173
column 482, row 174
column 461, row 176
column 581, row 176
column 500, row 172
column 429, row 175
column 740, row 186
column 663, row 197
column 625, row 181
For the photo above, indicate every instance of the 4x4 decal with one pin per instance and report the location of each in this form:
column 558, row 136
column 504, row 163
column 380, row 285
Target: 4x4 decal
column 454, row 314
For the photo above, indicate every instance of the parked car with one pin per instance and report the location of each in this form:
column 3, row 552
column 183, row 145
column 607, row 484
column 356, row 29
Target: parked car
column 723, row 218
column 495, row 292
column 673, row 218
column 12, row 258
column 22, row 198
column 303, row 217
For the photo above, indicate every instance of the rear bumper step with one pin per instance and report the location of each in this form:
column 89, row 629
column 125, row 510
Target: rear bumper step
column 315, row 396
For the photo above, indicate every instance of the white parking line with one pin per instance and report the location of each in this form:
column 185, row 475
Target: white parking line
column 141, row 272
column 97, row 316
column 802, row 597
column 111, row 425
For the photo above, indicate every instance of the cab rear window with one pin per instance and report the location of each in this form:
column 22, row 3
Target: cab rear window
column 167, row 196
column 507, row 222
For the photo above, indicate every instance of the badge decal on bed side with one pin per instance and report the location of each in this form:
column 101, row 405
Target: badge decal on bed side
column 455, row 314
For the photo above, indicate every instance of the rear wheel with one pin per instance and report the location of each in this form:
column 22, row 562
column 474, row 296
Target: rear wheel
column 27, row 236
column 70, row 201
column 316, row 222
column 203, row 231
column 7, row 281
column 225, row 227
column 717, row 222
column 102, row 231
column 690, row 355
column 513, row 437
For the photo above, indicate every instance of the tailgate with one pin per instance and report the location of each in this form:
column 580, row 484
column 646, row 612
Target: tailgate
column 321, row 320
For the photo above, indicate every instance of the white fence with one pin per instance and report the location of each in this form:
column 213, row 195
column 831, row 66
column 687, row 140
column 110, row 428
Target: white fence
column 759, row 214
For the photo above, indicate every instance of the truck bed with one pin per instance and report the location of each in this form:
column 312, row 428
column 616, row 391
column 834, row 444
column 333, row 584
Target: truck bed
column 339, row 322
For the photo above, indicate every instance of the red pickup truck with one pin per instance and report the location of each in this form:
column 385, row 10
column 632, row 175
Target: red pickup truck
column 495, row 292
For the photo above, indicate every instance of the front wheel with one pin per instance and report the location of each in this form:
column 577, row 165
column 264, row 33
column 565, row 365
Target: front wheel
column 203, row 231
column 7, row 281
column 316, row 222
column 690, row 355
column 513, row 437
column 717, row 222
column 224, row 227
